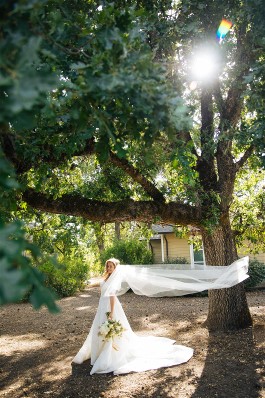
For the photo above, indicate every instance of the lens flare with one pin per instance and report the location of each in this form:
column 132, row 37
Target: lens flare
column 223, row 29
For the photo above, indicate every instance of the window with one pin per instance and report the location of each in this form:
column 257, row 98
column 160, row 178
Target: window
column 197, row 257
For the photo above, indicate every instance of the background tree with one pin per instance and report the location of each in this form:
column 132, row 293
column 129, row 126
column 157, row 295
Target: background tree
column 113, row 80
column 247, row 210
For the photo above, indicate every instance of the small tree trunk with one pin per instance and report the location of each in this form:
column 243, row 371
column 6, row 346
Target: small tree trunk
column 228, row 308
column 118, row 230
column 99, row 234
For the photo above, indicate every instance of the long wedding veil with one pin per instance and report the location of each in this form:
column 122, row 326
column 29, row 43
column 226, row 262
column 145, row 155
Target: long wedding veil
column 159, row 282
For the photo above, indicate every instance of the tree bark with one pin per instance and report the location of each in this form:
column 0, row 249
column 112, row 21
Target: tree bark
column 228, row 308
column 124, row 210
column 117, row 230
column 99, row 234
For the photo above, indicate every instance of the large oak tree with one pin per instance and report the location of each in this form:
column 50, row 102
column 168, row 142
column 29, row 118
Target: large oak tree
column 113, row 82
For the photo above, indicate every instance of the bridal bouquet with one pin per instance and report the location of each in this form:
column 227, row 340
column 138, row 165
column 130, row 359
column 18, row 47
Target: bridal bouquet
column 110, row 329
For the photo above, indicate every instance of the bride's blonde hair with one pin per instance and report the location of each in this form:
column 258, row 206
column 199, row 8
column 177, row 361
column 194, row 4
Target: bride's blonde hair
column 112, row 260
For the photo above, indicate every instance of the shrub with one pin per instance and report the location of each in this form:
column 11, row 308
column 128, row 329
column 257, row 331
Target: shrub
column 176, row 260
column 256, row 273
column 129, row 251
column 176, row 263
column 67, row 278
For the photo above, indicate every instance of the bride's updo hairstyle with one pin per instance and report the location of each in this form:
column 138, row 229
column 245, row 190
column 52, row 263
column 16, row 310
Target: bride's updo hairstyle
column 112, row 260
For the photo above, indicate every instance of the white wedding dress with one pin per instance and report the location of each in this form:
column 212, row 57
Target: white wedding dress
column 132, row 353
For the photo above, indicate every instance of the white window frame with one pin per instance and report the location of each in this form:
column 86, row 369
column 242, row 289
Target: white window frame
column 162, row 248
column 192, row 263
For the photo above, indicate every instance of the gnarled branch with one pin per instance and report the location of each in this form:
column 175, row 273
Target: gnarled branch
column 219, row 98
column 234, row 101
column 136, row 175
column 125, row 210
column 205, row 165
column 245, row 157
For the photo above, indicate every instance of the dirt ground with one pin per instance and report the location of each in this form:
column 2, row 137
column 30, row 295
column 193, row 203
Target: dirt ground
column 37, row 348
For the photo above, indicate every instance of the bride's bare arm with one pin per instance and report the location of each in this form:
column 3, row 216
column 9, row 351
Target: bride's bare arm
column 112, row 303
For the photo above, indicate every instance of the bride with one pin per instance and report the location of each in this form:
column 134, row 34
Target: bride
column 126, row 352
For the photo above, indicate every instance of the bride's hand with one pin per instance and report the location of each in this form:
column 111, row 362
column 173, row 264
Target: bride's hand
column 110, row 317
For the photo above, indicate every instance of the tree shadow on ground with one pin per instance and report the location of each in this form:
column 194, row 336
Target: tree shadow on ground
column 231, row 367
column 163, row 386
column 79, row 383
column 39, row 348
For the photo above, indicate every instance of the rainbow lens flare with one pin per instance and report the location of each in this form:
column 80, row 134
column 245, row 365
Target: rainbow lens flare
column 223, row 29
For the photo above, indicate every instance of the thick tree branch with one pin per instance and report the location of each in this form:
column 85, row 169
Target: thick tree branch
column 227, row 174
column 186, row 137
column 205, row 165
column 149, row 187
column 7, row 142
column 234, row 101
column 48, row 154
column 126, row 210
column 245, row 157
column 207, row 127
column 219, row 98
column 21, row 166
column 231, row 109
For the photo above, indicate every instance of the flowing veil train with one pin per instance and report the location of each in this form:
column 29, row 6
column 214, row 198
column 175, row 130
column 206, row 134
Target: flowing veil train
column 132, row 353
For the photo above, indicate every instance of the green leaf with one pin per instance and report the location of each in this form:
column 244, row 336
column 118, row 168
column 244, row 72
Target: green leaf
column 44, row 296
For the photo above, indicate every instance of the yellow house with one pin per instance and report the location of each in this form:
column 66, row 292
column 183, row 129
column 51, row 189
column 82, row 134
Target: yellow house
column 166, row 246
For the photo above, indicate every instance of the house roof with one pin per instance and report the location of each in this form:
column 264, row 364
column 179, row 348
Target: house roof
column 167, row 229
column 155, row 237
column 162, row 229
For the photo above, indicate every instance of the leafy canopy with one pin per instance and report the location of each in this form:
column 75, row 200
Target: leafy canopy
column 112, row 81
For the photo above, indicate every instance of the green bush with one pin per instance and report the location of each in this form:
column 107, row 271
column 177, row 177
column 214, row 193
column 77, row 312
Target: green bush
column 129, row 251
column 67, row 278
column 176, row 260
column 256, row 273
column 176, row 263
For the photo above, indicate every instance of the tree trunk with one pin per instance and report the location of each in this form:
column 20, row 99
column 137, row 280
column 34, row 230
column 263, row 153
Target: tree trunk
column 99, row 234
column 228, row 308
column 117, row 230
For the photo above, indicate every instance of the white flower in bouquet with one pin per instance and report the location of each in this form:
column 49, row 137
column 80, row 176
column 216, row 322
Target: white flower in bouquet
column 110, row 329
column 104, row 329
